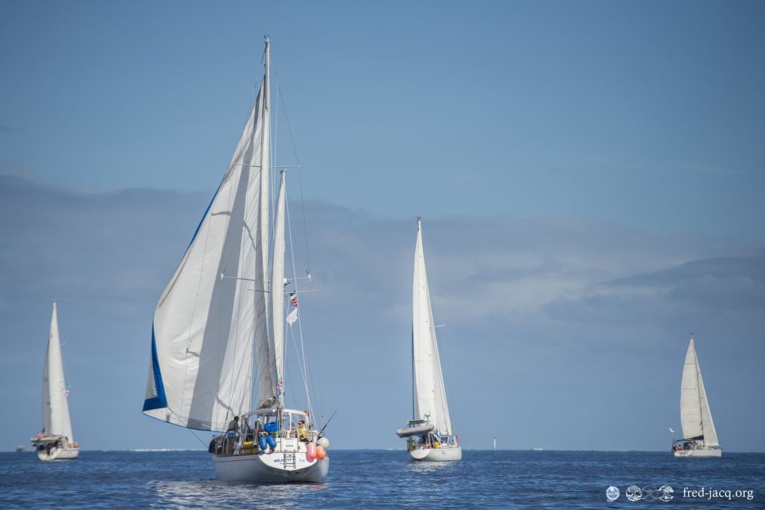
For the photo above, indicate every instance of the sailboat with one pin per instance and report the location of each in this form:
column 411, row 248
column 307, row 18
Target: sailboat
column 55, row 441
column 700, row 436
column 217, row 347
column 429, row 434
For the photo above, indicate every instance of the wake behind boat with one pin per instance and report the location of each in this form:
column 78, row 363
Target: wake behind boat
column 700, row 436
column 55, row 441
column 217, row 350
column 429, row 435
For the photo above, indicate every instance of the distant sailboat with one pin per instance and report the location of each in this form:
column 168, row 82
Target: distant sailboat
column 55, row 441
column 700, row 436
column 217, row 349
column 429, row 434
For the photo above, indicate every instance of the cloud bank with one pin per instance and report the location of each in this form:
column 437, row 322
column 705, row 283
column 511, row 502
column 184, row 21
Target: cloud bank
column 558, row 333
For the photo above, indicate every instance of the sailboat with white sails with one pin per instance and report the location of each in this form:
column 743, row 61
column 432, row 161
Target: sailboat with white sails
column 700, row 436
column 217, row 349
column 429, row 434
column 55, row 441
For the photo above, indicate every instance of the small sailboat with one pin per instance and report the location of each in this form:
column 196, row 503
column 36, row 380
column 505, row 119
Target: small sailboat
column 700, row 436
column 55, row 441
column 429, row 434
column 217, row 348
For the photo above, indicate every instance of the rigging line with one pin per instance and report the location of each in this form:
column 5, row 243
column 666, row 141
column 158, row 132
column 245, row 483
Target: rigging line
column 306, row 377
column 195, row 435
column 301, row 362
column 280, row 96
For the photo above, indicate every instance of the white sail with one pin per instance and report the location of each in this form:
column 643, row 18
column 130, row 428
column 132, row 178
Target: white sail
column 56, row 419
column 215, row 305
column 695, row 415
column 277, row 289
column 429, row 392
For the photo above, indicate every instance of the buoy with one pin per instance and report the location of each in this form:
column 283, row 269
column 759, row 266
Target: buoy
column 262, row 442
column 310, row 453
column 320, row 453
column 271, row 442
column 323, row 442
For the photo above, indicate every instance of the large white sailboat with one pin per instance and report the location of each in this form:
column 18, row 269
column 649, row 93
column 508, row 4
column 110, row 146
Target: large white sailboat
column 429, row 434
column 217, row 349
column 700, row 436
column 55, row 441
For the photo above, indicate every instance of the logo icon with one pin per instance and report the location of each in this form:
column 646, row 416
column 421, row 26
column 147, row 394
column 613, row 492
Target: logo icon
column 665, row 493
column 612, row 494
column 634, row 493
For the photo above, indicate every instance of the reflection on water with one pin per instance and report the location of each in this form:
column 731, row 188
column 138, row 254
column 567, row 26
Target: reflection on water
column 216, row 494
column 430, row 467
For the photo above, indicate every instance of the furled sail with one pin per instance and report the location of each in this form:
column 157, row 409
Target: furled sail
column 277, row 289
column 695, row 416
column 56, row 419
column 211, row 322
column 429, row 392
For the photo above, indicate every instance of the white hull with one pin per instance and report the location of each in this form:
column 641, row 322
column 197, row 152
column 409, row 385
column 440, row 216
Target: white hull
column 58, row 454
column 270, row 468
column 706, row 452
column 436, row 454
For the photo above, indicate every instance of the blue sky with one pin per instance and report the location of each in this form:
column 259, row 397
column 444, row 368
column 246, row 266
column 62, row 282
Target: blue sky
column 589, row 174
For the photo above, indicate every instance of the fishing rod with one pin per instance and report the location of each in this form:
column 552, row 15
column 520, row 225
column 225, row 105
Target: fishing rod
column 321, row 432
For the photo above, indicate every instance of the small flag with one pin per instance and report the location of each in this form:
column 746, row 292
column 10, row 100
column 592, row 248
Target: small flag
column 292, row 317
column 293, row 299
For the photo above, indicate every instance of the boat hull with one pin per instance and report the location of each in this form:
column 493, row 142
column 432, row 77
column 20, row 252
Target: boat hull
column 436, row 454
column 705, row 452
column 270, row 468
column 287, row 463
column 57, row 453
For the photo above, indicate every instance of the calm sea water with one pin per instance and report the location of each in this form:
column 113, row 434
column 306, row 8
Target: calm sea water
column 367, row 479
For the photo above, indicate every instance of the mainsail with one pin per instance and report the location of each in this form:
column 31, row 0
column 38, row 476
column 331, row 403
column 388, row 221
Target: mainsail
column 695, row 416
column 212, row 322
column 56, row 421
column 429, row 392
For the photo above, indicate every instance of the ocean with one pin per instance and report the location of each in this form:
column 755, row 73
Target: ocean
column 368, row 479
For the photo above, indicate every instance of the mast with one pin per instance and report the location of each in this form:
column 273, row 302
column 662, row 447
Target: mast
column 267, row 371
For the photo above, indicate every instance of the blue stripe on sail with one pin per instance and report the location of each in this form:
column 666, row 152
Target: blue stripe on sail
column 204, row 216
column 159, row 401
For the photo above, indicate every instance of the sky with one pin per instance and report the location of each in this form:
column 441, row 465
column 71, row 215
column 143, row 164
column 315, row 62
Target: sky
column 589, row 174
